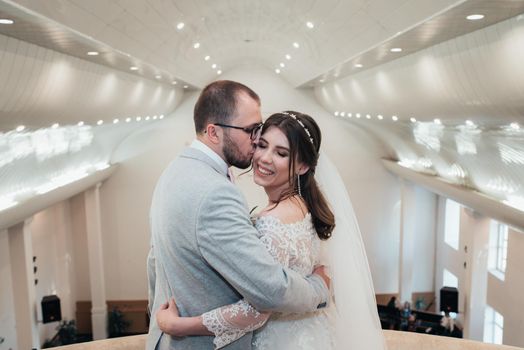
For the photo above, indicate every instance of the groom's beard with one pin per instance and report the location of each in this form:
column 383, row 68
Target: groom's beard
column 233, row 155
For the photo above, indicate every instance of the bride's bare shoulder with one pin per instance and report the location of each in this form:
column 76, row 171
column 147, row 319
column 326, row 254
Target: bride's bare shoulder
column 289, row 210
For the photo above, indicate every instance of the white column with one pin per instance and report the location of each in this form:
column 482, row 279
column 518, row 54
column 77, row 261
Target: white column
column 21, row 256
column 476, row 275
column 407, row 240
column 65, row 276
column 96, row 263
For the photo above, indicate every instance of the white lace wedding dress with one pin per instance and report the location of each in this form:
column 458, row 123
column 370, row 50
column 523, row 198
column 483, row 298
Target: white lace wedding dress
column 296, row 246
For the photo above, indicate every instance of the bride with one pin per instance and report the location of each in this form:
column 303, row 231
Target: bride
column 298, row 229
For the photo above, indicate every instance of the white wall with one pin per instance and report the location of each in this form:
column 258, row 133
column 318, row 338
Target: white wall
column 126, row 196
column 79, row 234
column 506, row 296
column 53, row 247
column 425, row 240
column 449, row 258
column 7, row 312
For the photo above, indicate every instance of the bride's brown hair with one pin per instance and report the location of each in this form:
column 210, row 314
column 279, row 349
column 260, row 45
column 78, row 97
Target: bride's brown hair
column 304, row 148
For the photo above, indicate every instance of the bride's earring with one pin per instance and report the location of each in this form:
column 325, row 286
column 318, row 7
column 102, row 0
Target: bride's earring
column 298, row 181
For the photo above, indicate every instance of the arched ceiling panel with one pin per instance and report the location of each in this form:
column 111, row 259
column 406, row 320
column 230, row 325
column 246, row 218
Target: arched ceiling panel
column 147, row 30
column 487, row 159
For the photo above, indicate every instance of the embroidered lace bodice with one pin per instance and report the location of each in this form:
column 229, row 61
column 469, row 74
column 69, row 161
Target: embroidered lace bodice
column 297, row 247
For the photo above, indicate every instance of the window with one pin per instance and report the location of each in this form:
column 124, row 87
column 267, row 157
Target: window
column 449, row 279
column 498, row 249
column 493, row 326
column 452, row 224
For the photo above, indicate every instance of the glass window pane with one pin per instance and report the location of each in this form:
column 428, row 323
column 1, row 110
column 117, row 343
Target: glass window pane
column 449, row 279
column 452, row 224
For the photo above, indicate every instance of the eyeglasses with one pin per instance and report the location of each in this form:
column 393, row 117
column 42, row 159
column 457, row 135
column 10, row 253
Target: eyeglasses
column 251, row 130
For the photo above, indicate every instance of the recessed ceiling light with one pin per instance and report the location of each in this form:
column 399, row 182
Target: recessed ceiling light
column 396, row 49
column 358, row 65
column 282, row 65
column 174, row 82
column 380, row 117
column 437, row 121
column 214, row 65
column 395, row 118
column 161, row 116
column 138, row 119
column 100, row 122
column 180, row 25
column 155, row 117
column 288, row 57
column 55, row 125
column 186, row 86
column 336, row 114
column 358, row 115
column 475, row 17
column 147, row 118
column 6, row 21
column 277, row 71
column 310, row 25
column 350, row 115
column 80, row 124
column 515, row 126
column 92, row 53
column 196, row 45
column 342, row 114
column 116, row 121
column 20, row 128
column 469, row 123
column 368, row 116
column 158, row 76
column 128, row 120
column 413, row 120
column 321, row 81
column 296, row 45
column 133, row 68
column 207, row 58
column 219, row 72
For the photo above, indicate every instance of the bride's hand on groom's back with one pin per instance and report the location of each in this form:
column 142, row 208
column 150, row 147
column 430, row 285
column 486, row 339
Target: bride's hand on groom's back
column 321, row 271
column 169, row 321
column 167, row 318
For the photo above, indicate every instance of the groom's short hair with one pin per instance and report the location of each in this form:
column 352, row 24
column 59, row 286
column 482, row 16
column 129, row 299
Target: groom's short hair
column 217, row 103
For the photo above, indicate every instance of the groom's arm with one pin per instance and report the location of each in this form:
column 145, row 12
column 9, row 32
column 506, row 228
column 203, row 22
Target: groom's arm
column 229, row 243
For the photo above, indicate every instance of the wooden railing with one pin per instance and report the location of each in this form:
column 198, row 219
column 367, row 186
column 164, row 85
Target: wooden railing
column 396, row 340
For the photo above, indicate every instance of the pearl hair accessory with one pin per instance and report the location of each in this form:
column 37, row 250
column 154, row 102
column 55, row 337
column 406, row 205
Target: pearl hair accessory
column 301, row 124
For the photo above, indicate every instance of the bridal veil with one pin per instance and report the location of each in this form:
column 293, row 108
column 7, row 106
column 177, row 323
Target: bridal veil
column 355, row 315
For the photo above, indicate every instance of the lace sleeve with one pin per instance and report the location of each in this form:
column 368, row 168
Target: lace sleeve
column 230, row 322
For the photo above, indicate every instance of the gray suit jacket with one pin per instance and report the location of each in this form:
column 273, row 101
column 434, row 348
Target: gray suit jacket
column 206, row 253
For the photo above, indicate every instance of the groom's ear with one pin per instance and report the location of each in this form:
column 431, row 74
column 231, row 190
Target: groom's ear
column 212, row 133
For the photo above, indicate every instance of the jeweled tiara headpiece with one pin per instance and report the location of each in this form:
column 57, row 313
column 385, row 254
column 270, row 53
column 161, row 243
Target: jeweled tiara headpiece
column 294, row 116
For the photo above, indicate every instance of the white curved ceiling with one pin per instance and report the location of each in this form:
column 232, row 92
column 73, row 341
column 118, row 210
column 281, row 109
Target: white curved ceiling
column 237, row 31
column 234, row 32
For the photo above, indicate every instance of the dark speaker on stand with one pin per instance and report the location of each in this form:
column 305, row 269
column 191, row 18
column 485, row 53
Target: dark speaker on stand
column 51, row 311
column 449, row 299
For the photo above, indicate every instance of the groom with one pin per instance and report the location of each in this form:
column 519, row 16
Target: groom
column 204, row 248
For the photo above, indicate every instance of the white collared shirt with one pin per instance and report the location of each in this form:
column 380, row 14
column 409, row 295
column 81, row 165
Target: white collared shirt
column 199, row 145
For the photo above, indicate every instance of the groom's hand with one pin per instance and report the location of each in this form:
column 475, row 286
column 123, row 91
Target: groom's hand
column 321, row 271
